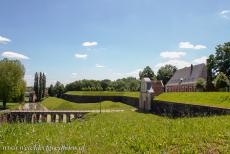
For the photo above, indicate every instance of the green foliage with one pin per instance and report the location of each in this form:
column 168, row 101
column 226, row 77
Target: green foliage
column 165, row 73
column 12, row 85
column 103, row 93
column 51, row 91
column 221, row 81
column 105, row 84
column 124, row 132
column 218, row 99
column 58, row 89
column 222, row 58
column 124, row 84
column 53, row 103
column 40, row 85
column 36, row 84
column 220, row 62
column 147, row 72
column 200, row 84
column 210, row 72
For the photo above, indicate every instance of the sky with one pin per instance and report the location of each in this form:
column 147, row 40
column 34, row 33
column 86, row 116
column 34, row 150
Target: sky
column 107, row 39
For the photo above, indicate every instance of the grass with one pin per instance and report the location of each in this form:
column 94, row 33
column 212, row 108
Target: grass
column 125, row 132
column 53, row 103
column 10, row 106
column 218, row 99
column 103, row 93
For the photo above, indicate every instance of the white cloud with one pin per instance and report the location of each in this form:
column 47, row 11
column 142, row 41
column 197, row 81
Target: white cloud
column 81, row 56
column 14, row 55
column 225, row 14
column 135, row 73
column 188, row 45
column 172, row 54
column 4, row 40
column 99, row 66
column 199, row 46
column 74, row 74
column 89, row 44
column 200, row 60
column 178, row 63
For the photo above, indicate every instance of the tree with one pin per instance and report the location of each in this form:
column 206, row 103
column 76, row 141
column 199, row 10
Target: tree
column 147, row 72
column 105, row 84
column 36, row 84
column 51, row 90
column 221, row 81
column 40, row 91
column 165, row 73
column 43, row 85
column 18, row 92
column 210, row 72
column 200, row 84
column 11, row 78
column 222, row 59
column 39, row 85
column 59, row 89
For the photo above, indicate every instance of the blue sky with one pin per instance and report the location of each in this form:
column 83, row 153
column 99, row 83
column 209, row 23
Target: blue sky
column 76, row 39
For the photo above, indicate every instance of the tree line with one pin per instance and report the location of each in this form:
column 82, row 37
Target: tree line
column 124, row 84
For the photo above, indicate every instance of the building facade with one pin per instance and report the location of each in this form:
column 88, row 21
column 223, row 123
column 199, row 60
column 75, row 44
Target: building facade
column 184, row 80
column 158, row 87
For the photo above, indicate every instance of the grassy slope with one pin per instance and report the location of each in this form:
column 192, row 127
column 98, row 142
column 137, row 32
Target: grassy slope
column 219, row 99
column 53, row 103
column 127, row 132
column 103, row 93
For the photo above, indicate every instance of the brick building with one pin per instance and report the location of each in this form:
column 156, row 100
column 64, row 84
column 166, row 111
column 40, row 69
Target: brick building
column 184, row 80
column 158, row 87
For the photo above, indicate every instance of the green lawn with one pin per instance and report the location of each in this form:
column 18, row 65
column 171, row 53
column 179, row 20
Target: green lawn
column 126, row 132
column 54, row 103
column 218, row 99
column 103, row 93
column 10, row 106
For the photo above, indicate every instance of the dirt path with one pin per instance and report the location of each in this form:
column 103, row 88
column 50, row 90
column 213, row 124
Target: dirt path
column 34, row 107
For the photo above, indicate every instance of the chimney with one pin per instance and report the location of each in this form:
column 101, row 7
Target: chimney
column 191, row 69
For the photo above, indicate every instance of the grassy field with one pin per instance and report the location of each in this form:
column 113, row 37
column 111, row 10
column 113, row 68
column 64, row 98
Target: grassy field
column 219, row 99
column 126, row 132
column 103, row 93
column 54, row 103
column 10, row 106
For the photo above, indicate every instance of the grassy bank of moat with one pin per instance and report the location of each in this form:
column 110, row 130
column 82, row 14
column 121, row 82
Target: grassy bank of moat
column 217, row 99
column 53, row 103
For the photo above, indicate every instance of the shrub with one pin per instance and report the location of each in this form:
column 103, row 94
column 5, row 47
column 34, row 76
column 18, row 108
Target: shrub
column 200, row 84
column 221, row 81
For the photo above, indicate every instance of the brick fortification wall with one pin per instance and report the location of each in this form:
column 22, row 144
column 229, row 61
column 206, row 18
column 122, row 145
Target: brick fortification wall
column 94, row 99
column 173, row 109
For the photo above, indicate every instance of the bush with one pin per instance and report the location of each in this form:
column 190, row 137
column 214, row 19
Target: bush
column 221, row 81
column 200, row 84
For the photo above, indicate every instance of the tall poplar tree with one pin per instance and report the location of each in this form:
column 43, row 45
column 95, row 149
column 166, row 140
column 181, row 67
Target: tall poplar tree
column 36, row 85
column 40, row 86
column 43, row 85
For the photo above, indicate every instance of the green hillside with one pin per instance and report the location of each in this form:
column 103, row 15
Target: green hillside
column 53, row 103
column 218, row 99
